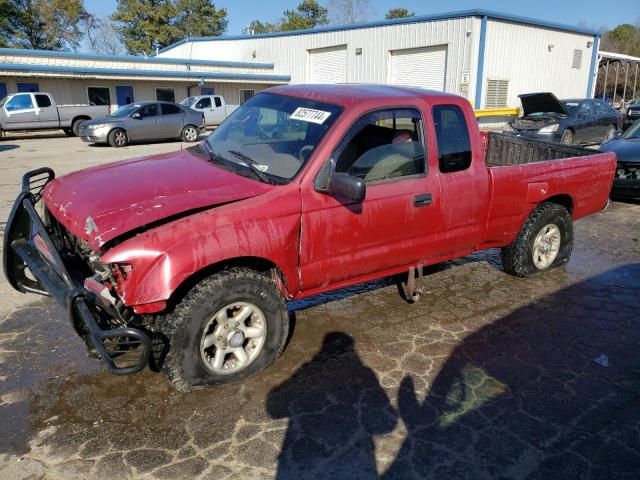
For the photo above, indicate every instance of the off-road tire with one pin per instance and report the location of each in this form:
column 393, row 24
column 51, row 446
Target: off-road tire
column 114, row 138
column 75, row 126
column 68, row 132
column 517, row 258
column 183, row 326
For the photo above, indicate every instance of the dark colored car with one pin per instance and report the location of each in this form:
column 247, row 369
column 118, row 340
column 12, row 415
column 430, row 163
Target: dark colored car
column 572, row 121
column 627, row 148
column 632, row 113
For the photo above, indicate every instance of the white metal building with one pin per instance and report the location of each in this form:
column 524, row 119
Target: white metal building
column 488, row 57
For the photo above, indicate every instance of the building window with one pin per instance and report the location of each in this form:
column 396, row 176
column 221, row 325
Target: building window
column 99, row 95
column 577, row 59
column 3, row 90
column 246, row 95
column 207, row 91
column 497, row 93
column 165, row 94
column 452, row 136
column 27, row 87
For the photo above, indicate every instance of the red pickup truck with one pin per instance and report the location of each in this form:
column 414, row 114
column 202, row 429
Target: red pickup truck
column 185, row 261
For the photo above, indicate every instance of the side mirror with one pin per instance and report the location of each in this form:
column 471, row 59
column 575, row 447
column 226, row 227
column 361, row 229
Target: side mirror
column 347, row 186
column 136, row 115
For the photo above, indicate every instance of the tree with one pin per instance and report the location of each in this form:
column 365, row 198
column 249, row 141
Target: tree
column 200, row 18
column 102, row 36
column 257, row 27
column 7, row 11
column 398, row 13
column 42, row 24
column 146, row 24
column 624, row 39
column 308, row 14
column 350, row 11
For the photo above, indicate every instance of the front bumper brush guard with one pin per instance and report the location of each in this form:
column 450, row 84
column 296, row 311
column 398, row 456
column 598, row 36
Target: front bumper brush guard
column 51, row 277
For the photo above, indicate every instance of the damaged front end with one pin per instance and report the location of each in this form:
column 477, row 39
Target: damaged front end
column 42, row 257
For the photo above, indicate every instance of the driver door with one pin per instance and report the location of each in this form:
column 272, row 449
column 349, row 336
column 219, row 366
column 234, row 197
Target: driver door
column 394, row 225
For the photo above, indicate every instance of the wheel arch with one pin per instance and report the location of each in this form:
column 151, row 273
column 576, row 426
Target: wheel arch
column 80, row 117
column 258, row 264
column 562, row 199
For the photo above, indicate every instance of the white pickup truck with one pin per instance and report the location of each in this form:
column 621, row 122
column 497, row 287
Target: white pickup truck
column 38, row 111
column 213, row 107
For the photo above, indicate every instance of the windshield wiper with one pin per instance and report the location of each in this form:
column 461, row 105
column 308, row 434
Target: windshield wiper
column 252, row 164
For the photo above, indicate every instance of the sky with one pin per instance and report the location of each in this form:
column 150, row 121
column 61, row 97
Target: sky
column 590, row 13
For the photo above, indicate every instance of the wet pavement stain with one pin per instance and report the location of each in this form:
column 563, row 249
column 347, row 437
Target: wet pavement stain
column 487, row 376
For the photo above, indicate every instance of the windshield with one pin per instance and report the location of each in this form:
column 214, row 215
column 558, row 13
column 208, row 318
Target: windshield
column 187, row 102
column 126, row 110
column 275, row 133
column 633, row 131
column 572, row 107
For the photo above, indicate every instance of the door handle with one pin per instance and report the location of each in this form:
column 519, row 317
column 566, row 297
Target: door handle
column 422, row 200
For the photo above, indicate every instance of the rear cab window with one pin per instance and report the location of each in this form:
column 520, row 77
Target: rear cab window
column 218, row 101
column 43, row 101
column 452, row 138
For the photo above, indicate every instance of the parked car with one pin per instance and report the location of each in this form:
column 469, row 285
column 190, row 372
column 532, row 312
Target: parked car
column 204, row 246
column 144, row 121
column 573, row 121
column 38, row 111
column 213, row 107
column 632, row 113
column 627, row 149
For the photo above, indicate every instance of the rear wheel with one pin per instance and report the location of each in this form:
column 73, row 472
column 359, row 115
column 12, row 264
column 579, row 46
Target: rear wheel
column 118, row 138
column 567, row 137
column 189, row 134
column 75, row 126
column 544, row 242
column 229, row 326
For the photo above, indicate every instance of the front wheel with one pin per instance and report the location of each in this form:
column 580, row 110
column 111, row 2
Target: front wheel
column 189, row 134
column 567, row 137
column 544, row 242
column 118, row 138
column 229, row 326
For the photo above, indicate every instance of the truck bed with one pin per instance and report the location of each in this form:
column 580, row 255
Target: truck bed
column 503, row 149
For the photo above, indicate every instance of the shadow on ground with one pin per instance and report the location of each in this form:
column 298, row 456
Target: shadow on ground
column 4, row 148
column 550, row 391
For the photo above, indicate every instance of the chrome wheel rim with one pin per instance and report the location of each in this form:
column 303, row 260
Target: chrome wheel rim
column 232, row 338
column 190, row 134
column 120, row 138
column 546, row 246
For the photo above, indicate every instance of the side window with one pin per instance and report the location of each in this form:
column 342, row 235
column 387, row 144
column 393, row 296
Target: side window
column 602, row 107
column 169, row 109
column 149, row 110
column 452, row 136
column 204, row 103
column 586, row 109
column 218, row 101
column 383, row 145
column 19, row 102
column 43, row 101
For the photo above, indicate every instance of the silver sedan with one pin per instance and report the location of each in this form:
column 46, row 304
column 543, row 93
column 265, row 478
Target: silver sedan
column 144, row 121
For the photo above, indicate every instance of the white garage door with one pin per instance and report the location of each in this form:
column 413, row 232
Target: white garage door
column 419, row 67
column 328, row 65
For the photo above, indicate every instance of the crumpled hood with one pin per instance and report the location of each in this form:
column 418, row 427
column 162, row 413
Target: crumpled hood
column 100, row 203
column 533, row 103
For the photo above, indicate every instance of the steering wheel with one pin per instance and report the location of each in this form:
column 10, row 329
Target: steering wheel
column 303, row 152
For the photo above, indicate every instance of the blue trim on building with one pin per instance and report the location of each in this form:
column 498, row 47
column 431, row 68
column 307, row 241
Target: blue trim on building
column 480, row 70
column 145, row 73
column 400, row 21
column 594, row 64
column 133, row 58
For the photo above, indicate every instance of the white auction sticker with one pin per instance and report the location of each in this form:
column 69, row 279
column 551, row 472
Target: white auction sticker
column 310, row 115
